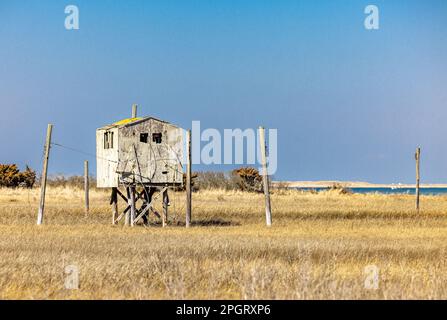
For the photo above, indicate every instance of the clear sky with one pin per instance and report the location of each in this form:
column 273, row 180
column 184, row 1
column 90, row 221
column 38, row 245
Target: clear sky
column 348, row 103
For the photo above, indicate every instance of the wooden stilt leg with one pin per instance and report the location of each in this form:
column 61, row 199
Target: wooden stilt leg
column 147, row 198
column 152, row 191
column 132, row 206
column 144, row 204
column 164, row 217
column 129, row 202
column 114, row 203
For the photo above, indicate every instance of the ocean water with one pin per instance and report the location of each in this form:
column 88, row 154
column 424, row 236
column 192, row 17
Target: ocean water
column 423, row 191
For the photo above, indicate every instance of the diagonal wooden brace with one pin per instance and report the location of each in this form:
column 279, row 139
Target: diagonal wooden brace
column 142, row 213
column 122, row 195
column 122, row 214
column 148, row 206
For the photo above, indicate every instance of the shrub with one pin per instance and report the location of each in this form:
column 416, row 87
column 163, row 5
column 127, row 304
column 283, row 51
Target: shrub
column 244, row 179
column 339, row 188
column 11, row 177
column 215, row 180
column 73, row 181
column 193, row 184
column 248, row 179
column 28, row 177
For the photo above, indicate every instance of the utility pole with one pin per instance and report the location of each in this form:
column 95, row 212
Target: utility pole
column 86, row 187
column 265, row 177
column 188, row 179
column 43, row 179
column 417, row 157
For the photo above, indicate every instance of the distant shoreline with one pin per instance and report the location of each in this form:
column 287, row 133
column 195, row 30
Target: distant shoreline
column 351, row 184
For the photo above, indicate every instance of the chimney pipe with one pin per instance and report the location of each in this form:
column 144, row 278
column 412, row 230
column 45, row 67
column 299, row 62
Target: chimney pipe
column 134, row 110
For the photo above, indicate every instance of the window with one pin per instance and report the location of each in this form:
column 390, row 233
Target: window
column 108, row 140
column 156, row 137
column 143, row 137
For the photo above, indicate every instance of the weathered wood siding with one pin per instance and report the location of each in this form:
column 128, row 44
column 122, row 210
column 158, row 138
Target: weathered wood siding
column 151, row 162
column 106, row 160
column 139, row 161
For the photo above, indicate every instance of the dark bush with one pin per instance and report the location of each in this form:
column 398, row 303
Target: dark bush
column 28, row 177
column 11, row 177
column 193, row 183
column 244, row 179
column 337, row 187
column 248, row 179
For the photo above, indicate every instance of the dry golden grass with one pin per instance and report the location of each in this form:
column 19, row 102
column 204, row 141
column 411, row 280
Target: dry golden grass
column 317, row 248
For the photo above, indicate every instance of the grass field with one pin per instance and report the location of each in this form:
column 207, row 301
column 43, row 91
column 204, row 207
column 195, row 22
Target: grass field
column 317, row 248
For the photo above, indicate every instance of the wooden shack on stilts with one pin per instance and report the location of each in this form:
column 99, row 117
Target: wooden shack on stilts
column 140, row 159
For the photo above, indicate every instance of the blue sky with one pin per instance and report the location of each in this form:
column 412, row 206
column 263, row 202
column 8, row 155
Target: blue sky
column 348, row 103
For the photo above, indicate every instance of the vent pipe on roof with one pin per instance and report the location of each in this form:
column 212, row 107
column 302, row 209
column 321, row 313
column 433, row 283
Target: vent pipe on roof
column 134, row 110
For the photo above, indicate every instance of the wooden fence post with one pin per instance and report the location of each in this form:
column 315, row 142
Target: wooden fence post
column 86, row 187
column 188, row 179
column 265, row 178
column 418, row 176
column 43, row 179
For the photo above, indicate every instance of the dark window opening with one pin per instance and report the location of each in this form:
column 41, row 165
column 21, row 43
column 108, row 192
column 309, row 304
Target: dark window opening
column 156, row 137
column 143, row 137
column 108, row 140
